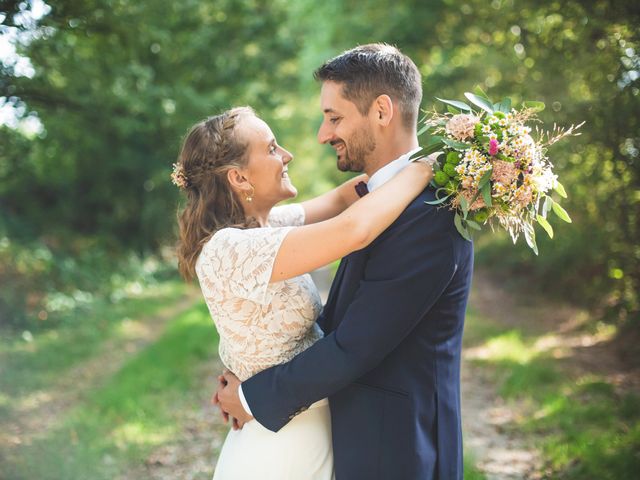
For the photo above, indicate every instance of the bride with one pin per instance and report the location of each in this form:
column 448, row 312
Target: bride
column 251, row 259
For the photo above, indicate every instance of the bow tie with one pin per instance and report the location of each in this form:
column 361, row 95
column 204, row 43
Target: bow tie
column 362, row 189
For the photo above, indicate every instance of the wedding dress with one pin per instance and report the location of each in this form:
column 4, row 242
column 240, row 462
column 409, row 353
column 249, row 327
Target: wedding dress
column 262, row 324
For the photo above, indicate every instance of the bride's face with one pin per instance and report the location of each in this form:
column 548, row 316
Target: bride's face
column 267, row 166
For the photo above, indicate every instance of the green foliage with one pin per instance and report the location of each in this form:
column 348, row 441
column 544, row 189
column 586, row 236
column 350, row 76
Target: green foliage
column 117, row 83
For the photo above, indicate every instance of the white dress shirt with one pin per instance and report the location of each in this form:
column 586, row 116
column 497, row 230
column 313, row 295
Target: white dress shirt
column 376, row 180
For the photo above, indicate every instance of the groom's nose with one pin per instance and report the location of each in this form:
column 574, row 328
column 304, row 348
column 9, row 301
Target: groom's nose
column 324, row 133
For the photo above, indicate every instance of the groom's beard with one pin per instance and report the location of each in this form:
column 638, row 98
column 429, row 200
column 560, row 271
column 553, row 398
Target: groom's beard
column 358, row 148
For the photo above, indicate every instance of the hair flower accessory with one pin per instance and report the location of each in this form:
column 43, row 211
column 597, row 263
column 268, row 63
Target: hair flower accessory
column 179, row 176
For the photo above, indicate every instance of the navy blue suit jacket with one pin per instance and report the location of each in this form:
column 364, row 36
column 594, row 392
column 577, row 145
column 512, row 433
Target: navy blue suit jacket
column 390, row 358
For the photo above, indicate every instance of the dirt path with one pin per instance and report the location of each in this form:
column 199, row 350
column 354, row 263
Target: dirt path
column 497, row 451
column 44, row 409
column 563, row 332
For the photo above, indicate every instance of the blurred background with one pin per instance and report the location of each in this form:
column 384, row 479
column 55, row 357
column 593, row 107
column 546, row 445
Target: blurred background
column 107, row 360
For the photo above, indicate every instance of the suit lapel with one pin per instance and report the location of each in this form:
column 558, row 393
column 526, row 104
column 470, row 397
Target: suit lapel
column 349, row 282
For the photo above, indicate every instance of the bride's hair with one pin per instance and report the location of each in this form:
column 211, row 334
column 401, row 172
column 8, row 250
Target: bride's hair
column 211, row 148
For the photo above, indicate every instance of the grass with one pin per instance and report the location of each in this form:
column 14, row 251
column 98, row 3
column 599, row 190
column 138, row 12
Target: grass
column 29, row 361
column 470, row 470
column 114, row 426
column 582, row 425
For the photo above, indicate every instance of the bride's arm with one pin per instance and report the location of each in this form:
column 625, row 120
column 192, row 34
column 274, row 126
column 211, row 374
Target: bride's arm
column 311, row 246
column 332, row 203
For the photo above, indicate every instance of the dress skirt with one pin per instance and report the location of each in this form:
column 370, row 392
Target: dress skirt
column 301, row 450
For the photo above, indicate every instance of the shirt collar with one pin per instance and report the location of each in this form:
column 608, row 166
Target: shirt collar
column 389, row 170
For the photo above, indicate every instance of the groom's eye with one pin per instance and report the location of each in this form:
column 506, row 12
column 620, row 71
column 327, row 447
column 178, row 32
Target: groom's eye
column 334, row 119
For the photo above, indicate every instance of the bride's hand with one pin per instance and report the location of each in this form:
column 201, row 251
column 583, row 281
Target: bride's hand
column 423, row 167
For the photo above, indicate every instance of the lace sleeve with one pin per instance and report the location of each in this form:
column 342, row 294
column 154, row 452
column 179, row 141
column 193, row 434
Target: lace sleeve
column 287, row 215
column 239, row 262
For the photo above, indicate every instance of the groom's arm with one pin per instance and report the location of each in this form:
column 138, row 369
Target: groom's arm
column 403, row 280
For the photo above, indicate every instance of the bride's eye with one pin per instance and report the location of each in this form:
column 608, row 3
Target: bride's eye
column 272, row 149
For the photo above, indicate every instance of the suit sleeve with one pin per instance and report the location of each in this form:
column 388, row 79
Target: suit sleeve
column 405, row 274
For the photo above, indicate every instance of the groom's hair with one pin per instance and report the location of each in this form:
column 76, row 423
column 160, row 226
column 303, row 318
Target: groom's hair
column 369, row 71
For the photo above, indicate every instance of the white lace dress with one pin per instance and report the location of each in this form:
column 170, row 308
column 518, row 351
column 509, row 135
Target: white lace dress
column 262, row 324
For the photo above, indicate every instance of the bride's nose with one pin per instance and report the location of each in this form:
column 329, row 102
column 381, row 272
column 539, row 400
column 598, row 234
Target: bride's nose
column 286, row 156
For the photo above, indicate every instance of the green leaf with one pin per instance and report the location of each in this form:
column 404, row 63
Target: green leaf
column 429, row 149
column 439, row 201
column 560, row 212
column 560, row 189
column 417, row 154
column 455, row 144
column 479, row 92
column 546, row 225
column 450, row 109
column 530, row 237
column 455, row 103
column 423, row 129
column 457, row 221
column 434, row 139
column 480, row 102
column 505, row 105
column 474, row 225
column 464, row 205
column 537, row 106
column 546, row 208
column 485, row 178
column 486, row 194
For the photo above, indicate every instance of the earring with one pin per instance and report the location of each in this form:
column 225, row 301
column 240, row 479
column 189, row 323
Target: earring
column 249, row 196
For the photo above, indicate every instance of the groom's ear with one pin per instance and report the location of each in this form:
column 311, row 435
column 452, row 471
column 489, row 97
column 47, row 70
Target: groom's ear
column 382, row 110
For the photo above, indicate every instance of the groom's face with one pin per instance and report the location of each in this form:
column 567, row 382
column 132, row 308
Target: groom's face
column 345, row 129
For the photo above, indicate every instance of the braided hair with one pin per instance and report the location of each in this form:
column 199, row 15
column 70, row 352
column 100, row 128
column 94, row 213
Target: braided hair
column 211, row 148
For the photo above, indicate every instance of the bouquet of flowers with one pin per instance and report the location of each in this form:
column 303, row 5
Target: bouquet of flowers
column 491, row 168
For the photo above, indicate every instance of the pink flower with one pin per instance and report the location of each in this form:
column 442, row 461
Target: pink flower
column 504, row 172
column 461, row 126
column 493, row 147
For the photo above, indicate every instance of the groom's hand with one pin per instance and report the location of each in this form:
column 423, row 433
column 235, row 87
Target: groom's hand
column 229, row 400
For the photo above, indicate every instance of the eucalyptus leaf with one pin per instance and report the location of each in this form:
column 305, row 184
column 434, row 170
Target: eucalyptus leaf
column 456, row 145
column 479, row 92
column 560, row 189
column 485, row 178
column 455, row 103
column 457, row 221
column 439, row 201
column 474, row 225
column 434, row 139
column 417, row 154
column 428, row 150
column 546, row 225
column 483, row 103
column 486, row 194
column 561, row 212
column 464, row 205
column 546, row 208
column 505, row 105
column 530, row 237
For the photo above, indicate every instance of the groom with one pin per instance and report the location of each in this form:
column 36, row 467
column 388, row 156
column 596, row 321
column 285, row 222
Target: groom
column 390, row 358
